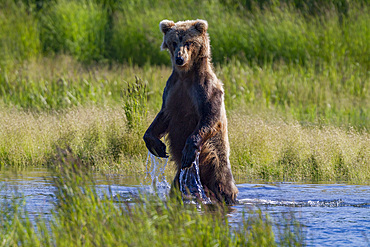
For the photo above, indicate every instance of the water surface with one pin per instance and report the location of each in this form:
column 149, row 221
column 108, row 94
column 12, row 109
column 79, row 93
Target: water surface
column 333, row 214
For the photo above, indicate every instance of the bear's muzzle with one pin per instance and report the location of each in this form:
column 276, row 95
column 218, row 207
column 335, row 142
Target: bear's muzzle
column 179, row 61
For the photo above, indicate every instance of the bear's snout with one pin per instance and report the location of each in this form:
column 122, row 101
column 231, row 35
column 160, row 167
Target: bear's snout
column 181, row 56
column 179, row 61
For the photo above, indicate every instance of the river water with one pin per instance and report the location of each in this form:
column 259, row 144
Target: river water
column 332, row 214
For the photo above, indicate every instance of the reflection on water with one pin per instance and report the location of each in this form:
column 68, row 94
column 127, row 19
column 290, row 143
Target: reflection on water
column 333, row 214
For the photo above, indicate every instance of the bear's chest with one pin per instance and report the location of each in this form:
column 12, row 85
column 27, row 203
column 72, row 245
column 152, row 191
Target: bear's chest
column 180, row 102
column 183, row 118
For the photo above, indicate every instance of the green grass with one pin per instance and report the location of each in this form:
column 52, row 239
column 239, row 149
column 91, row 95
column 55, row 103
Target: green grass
column 60, row 83
column 19, row 35
column 84, row 217
column 330, row 94
column 127, row 31
column 75, row 27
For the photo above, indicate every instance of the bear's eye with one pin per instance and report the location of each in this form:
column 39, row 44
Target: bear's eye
column 174, row 44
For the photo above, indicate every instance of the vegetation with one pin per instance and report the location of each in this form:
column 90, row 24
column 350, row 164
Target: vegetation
column 333, row 95
column 262, row 146
column 257, row 32
column 273, row 150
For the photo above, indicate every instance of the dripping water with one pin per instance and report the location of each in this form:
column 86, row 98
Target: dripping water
column 155, row 167
column 190, row 186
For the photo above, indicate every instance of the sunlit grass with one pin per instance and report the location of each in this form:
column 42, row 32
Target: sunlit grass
column 262, row 146
column 100, row 136
column 274, row 150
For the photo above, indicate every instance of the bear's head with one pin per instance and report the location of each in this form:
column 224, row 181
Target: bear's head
column 187, row 41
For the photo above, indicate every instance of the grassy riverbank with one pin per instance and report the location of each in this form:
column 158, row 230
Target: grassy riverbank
column 262, row 147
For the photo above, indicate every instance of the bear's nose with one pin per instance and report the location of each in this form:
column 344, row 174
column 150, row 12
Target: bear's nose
column 179, row 61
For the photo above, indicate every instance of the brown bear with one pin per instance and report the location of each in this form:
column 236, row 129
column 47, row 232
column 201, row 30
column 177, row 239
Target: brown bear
column 193, row 113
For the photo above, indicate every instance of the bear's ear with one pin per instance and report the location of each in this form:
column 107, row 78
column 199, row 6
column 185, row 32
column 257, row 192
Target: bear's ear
column 166, row 25
column 201, row 26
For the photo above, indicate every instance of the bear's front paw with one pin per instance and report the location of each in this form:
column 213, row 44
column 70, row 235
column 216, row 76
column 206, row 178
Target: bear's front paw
column 155, row 146
column 188, row 155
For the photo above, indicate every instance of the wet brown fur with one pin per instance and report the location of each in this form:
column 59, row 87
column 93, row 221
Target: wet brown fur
column 193, row 113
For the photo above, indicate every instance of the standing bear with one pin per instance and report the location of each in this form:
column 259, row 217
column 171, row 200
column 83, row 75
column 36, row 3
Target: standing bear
column 193, row 112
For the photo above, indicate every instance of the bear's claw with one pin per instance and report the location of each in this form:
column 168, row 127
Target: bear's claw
column 155, row 146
